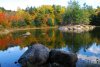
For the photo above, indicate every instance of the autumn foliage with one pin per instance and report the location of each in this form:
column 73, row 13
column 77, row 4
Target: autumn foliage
column 2, row 17
column 48, row 15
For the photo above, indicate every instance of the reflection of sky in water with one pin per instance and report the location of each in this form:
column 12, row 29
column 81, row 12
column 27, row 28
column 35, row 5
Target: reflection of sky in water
column 94, row 50
column 9, row 56
column 88, row 57
column 65, row 49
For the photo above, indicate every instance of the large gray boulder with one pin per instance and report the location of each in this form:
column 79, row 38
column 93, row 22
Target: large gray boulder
column 63, row 58
column 37, row 54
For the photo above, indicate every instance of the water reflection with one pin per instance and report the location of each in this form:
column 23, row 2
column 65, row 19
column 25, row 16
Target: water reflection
column 86, row 45
column 90, row 55
column 11, row 55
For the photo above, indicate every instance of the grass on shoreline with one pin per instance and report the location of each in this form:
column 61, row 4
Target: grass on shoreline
column 8, row 30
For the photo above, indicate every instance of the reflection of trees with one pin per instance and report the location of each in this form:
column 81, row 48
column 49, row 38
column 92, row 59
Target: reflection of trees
column 51, row 38
column 96, row 34
column 56, row 39
column 77, row 40
column 8, row 41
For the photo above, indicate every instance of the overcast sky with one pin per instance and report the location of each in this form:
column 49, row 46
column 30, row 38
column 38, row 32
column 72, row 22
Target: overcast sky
column 14, row 4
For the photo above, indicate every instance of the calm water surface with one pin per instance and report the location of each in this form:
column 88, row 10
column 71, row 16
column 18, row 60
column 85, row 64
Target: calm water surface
column 86, row 45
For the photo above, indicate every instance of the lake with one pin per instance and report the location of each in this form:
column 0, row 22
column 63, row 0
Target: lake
column 86, row 45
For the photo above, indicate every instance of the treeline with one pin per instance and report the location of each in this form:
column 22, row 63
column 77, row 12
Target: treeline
column 48, row 15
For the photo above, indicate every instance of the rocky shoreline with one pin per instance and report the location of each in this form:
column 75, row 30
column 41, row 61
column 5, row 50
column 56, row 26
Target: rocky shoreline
column 76, row 28
column 68, row 28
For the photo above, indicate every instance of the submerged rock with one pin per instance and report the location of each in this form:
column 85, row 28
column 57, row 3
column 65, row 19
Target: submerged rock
column 63, row 58
column 37, row 54
column 27, row 34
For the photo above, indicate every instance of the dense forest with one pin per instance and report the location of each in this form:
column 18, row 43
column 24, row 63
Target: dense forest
column 47, row 15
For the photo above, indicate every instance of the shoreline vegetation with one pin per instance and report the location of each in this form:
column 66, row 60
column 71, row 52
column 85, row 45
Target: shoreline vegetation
column 6, row 31
column 67, row 28
column 50, row 16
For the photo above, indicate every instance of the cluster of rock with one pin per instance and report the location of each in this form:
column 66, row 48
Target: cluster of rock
column 40, row 56
column 76, row 28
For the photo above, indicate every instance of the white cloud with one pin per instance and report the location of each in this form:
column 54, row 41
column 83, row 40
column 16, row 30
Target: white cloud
column 93, row 59
column 94, row 49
